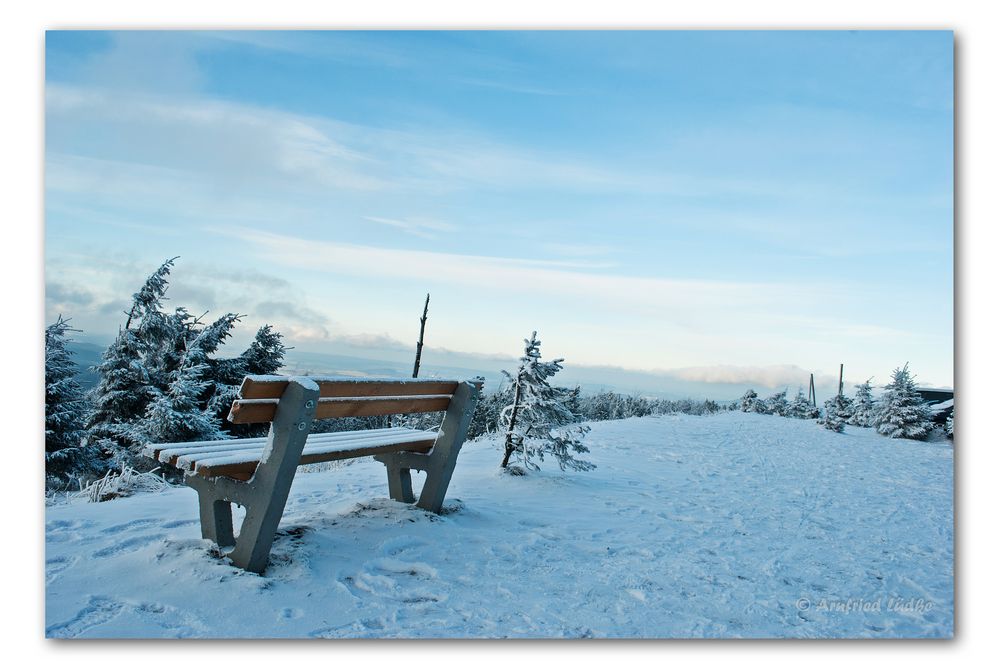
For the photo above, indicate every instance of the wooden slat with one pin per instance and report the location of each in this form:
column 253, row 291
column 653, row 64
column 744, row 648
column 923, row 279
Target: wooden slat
column 272, row 387
column 252, row 411
column 187, row 458
column 244, row 470
column 262, row 411
column 381, row 406
column 156, row 451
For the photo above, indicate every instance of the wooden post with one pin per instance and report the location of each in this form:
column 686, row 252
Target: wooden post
column 811, row 388
column 840, row 379
column 419, row 343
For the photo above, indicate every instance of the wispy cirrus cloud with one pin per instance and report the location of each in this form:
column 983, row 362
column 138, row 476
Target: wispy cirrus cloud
column 421, row 227
column 246, row 148
column 531, row 276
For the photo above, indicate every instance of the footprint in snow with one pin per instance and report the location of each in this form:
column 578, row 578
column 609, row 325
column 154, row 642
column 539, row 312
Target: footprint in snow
column 128, row 545
column 97, row 612
column 56, row 566
column 179, row 523
column 401, row 544
column 131, row 525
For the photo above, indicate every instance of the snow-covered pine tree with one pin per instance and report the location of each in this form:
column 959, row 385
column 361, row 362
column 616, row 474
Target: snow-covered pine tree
column 800, row 407
column 837, row 412
column 265, row 354
column 572, row 397
column 223, row 375
column 863, row 406
column 130, row 367
column 66, row 456
column 778, row 404
column 535, row 420
column 176, row 415
column 121, row 394
column 900, row 412
column 949, row 426
column 748, row 401
column 150, row 295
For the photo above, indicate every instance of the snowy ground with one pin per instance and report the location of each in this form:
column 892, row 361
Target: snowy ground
column 733, row 525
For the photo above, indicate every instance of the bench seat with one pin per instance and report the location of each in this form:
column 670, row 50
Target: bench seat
column 238, row 458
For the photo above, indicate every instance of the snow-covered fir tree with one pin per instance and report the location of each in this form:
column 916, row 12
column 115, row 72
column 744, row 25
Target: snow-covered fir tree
column 863, row 406
column 536, row 419
column 176, row 414
column 900, row 412
column 778, row 404
column 121, row 394
column 265, row 355
column 125, row 377
column 168, row 359
column 836, row 413
column 748, row 401
column 949, row 426
column 572, row 400
column 801, row 407
column 66, row 456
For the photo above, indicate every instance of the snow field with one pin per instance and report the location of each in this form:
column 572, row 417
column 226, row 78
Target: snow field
column 732, row 525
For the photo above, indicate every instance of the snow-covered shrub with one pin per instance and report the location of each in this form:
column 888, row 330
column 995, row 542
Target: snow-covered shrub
column 748, row 401
column 612, row 406
column 534, row 421
column 836, row 413
column 801, row 407
column 486, row 417
column 863, row 406
column 122, row 483
column 900, row 412
column 778, row 404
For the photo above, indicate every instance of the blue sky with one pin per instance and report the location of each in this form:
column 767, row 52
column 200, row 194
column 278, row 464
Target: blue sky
column 742, row 206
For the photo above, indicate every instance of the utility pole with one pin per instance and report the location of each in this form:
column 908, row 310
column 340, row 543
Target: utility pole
column 840, row 379
column 811, row 388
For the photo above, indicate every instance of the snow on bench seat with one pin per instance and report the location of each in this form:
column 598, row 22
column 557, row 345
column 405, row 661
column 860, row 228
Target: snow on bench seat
column 238, row 458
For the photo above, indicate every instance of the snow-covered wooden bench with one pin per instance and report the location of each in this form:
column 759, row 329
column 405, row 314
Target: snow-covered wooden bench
column 257, row 473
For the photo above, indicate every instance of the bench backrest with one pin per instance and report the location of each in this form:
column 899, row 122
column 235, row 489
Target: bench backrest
column 340, row 397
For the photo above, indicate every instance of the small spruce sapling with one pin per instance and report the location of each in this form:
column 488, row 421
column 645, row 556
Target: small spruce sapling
column 778, row 404
column 801, row 407
column 863, row 406
column 535, row 421
column 748, row 401
column 900, row 412
column 837, row 411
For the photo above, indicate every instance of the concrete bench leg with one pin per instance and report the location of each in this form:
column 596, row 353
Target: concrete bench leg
column 400, row 483
column 439, row 464
column 216, row 519
column 264, row 495
column 267, row 492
